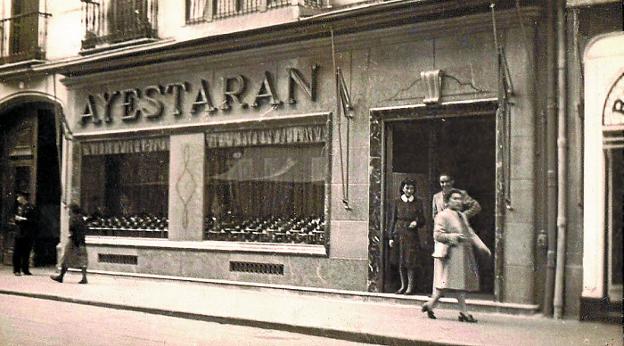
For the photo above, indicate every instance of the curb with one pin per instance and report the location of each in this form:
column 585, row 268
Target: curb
column 476, row 305
column 307, row 330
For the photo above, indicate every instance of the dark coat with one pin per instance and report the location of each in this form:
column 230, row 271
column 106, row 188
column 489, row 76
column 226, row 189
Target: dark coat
column 27, row 227
column 77, row 230
column 75, row 251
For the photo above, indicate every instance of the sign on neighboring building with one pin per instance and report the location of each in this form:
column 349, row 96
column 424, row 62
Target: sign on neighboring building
column 613, row 111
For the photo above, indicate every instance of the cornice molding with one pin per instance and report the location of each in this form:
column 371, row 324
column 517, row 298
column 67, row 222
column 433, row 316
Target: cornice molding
column 353, row 29
column 202, row 60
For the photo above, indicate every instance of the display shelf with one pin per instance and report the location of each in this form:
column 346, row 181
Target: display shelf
column 146, row 226
column 308, row 230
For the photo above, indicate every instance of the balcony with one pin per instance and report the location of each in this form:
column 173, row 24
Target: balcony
column 113, row 22
column 23, row 37
column 198, row 11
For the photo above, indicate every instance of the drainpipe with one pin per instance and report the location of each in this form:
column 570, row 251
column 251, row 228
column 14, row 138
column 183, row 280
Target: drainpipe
column 561, row 160
column 551, row 160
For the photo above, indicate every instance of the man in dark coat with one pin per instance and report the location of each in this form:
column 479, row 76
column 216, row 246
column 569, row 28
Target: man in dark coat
column 26, row 221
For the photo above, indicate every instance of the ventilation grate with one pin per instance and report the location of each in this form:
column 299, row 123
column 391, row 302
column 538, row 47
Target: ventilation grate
column 259, row 268
column 117, row 259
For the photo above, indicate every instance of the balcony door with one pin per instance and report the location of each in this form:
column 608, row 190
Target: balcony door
column 128, row 19
column 24, row 27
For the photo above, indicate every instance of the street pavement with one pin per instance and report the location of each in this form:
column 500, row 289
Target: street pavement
column 334, row 316
column 33, row 322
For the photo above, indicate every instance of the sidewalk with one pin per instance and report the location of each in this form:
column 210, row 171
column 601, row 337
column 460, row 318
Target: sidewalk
column 313, row 314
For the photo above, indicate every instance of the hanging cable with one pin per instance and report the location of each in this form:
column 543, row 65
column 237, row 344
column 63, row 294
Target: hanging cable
column 339, row 111
column 63, row 131
column 500, row 167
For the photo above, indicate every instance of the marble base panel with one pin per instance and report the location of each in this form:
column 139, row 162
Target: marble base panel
column 306, row 271
column 517, row 290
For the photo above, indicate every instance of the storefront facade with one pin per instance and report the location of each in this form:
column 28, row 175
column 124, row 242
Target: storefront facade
column 603, row 223
column 240, row 166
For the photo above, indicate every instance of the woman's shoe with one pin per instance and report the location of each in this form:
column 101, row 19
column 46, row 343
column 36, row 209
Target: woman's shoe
column 400, row 290
column 427, row 309
column 410, row 291
column 466, row 318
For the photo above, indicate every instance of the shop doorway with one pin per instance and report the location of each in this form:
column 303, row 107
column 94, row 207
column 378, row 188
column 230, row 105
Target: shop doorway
column 463, row 146
column 29, row 161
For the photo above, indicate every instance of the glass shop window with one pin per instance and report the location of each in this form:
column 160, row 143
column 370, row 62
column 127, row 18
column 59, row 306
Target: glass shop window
column 266, row 193
column 126, row 193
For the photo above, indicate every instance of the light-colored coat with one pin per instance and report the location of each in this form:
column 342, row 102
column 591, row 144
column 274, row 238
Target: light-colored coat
column 470, row 206
column 458, row 270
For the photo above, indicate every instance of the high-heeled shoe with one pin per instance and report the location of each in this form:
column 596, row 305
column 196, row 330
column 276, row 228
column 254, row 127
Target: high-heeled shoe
column 427, row 309
column 400, row 290
column 466, row 318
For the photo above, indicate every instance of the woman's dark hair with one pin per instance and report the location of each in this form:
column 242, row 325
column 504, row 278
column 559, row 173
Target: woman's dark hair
column 448, row 194
column 75, row 208
column 408, row 181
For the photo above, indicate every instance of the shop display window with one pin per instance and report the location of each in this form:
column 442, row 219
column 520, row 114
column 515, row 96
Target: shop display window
column 266, row 193
column 126, row 193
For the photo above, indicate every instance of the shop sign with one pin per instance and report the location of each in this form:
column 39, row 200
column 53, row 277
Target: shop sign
column 613, row 111
column 152, row 101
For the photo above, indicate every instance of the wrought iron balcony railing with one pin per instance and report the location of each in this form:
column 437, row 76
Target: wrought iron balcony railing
column 204, row 10
column 114, row 21
column 23, row 37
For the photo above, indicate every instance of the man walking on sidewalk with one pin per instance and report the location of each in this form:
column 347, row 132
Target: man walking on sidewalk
column 26, row 221
column 75, row 252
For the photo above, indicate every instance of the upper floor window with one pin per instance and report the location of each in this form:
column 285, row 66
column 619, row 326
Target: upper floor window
column 206, row 10
column 24, row 33
column 116, row 21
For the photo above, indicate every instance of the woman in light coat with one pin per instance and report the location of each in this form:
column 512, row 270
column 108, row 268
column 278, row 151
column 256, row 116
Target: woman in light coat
column 454, row 259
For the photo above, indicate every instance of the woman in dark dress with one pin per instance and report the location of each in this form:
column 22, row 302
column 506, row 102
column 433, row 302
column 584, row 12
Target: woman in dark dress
column 75, row 254
column 407, row 218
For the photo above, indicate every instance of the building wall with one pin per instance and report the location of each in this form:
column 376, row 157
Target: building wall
column 381, row 69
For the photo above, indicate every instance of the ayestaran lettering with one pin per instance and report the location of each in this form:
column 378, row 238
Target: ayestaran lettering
column 157, row 101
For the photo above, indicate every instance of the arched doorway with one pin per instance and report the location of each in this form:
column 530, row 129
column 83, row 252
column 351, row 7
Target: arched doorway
column 30, row 161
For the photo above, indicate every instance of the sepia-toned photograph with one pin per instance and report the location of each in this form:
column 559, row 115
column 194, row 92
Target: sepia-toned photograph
column 311, row 172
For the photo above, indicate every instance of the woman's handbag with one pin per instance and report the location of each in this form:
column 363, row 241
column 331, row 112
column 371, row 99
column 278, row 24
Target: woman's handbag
column 440, row 250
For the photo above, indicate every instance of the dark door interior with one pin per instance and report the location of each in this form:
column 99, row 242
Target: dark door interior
column 48, row 190
column 463, row 146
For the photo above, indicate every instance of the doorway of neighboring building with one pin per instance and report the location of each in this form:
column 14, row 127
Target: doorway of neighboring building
column 463, row 146
column 29, row 161
column 615, row 222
